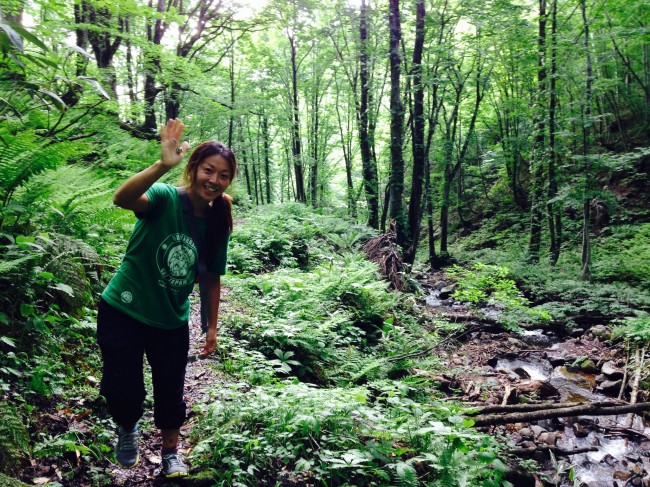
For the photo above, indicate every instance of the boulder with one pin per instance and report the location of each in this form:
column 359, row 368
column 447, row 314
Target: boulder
column 612, row 372
column 438, row 285
column 548, row 437
column 588, row 366
column 601, row 332
column 447, row 291
column 537, row 430
column 610, row 387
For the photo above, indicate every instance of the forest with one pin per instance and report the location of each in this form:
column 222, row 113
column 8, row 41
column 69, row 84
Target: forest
column 439, row 272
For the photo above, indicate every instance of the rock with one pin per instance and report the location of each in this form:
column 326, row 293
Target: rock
column 447, row 291
column 521, row 372
column 644, row 448
column 438, row 285
column 621, row 475
column 612, row 372
column 580, row 430
column 600, row 378
column 646, row 481
column 537, row 430
column 557, row 360
column 548, row 437
column 526, row 433
column 577, row 332
column 610, row 387
column 588, row 366
column 528, row 444
column 516, row 342
column 543, row 388
column 601, row 332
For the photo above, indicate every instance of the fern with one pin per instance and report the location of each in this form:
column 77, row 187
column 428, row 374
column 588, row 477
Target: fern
column 15, row 438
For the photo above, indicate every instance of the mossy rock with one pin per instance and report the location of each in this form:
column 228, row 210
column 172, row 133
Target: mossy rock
column 588, row 366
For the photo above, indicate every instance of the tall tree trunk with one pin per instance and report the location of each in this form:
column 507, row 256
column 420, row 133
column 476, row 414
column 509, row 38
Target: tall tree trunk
column 315, row 116
column 539, row 151
column 295, row 134
column 419, row 154
column 366, row 132
column 586, row 128
column 396, row 125
column 554, row 212
column 346, row 146
column 155, row 33
column 231, row 118
column 267, row 157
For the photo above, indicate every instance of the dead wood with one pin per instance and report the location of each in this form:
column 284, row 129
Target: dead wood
column 543, row 406
column 640, row 360
column 579, row 410
column 383, row 251
column 558, row 452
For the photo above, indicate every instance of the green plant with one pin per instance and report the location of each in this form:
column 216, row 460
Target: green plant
column 15, row 444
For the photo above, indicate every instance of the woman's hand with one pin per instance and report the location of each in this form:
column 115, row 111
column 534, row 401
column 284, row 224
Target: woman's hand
column 170, row 136
column 210, row 343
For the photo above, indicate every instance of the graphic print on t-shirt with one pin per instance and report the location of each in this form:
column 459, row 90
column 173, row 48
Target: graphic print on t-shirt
column 176, row 257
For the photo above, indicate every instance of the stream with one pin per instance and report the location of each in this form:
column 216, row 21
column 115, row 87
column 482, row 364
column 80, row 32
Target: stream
column 622, row 457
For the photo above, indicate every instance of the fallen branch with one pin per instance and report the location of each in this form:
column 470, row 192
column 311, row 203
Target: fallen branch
column 544, row 406
column 579, row 410
column 640, row 360
column 558, row 452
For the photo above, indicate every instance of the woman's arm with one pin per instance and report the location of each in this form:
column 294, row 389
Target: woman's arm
column 214, row 298
column 131, row 195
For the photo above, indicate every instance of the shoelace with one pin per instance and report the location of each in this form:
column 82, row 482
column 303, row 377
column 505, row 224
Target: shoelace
column 173, row 460
column 128, row 441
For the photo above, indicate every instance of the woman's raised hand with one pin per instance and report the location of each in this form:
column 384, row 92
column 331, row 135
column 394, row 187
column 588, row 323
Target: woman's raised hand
column 171, row 149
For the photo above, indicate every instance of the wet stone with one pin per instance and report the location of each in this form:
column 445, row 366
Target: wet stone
column 537, row 430
column 548, row 437
column 612, row 371
column 526, row 433
column 521, row 372
column 610, row 387
column 447, row 291
column 621, row 475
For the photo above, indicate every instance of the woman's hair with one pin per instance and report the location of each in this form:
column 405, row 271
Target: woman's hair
column 219, row 218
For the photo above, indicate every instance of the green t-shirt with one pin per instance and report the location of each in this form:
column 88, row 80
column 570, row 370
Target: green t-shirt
column 156, row 277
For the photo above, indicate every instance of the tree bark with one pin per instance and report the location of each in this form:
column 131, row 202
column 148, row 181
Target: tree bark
column 419, row 149
column 553, row 209
column 586, row 126
column 396, row 126
column 539, row 151
column 366, row 134
column 571, row 411
column 296, row 150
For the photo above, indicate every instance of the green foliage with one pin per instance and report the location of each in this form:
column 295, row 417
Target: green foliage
column 337, row 436
column 484, row 284
column 634, row 328
column 15, row 445
column 624, row 255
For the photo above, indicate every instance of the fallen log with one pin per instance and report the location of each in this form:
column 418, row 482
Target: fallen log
column 579, row 410
column 558, row 452
column 543, row 406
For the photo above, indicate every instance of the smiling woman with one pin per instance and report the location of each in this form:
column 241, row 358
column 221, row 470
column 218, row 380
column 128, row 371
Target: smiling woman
column 145, row 307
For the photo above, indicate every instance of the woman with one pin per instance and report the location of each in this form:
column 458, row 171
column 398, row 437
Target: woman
column 145, row 308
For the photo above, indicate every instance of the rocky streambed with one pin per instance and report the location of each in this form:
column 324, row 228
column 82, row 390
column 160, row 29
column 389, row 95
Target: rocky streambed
column 539, row 369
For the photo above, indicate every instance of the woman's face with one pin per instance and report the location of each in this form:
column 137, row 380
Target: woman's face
column 213, row 175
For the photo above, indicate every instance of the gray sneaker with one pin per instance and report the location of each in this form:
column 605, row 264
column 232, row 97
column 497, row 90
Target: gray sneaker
column 173, row 466
column 126, row 452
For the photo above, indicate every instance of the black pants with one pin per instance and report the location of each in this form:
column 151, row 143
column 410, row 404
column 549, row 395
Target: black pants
column 123, row 342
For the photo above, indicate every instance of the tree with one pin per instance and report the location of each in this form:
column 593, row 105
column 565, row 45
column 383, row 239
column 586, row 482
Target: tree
column 396, row 125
